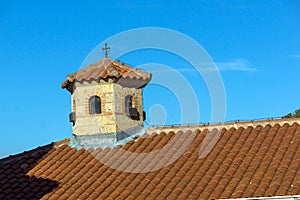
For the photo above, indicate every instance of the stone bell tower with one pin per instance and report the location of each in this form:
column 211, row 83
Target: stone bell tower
column 107, row 101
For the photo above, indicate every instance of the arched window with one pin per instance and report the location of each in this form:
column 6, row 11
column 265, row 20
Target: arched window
column 128, row 104
column 95, row 105
column 128, row 101
column 130, row 111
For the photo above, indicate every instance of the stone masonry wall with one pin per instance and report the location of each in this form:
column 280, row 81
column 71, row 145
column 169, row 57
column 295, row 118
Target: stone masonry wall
column 122, row 121
column 112, row 117
column 86, row 123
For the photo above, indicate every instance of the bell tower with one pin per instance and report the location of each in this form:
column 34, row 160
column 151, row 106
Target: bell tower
column 107, row 101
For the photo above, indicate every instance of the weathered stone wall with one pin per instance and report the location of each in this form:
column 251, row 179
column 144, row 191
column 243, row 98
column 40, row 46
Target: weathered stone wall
column 86, row 123
column 112, row 117
column 122, row 121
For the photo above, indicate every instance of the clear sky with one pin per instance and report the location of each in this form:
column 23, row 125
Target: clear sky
column 255, row 45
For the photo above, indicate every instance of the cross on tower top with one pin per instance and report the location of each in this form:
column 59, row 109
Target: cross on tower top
column 105, row 50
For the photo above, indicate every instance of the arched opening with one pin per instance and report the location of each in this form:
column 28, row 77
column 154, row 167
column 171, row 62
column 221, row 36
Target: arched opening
column 95, row 105
column 128, row 103
column 130, row 111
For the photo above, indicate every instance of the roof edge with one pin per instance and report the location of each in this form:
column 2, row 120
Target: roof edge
column 35, row 150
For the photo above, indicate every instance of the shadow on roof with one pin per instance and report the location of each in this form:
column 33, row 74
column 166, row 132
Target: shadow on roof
column 15, row 184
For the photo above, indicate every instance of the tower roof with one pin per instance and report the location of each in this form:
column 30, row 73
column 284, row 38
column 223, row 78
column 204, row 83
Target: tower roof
column 108, row 68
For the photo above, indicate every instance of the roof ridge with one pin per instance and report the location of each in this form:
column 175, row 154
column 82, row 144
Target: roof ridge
column 227, row 125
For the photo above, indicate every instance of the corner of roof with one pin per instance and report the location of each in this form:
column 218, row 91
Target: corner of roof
column 61, row 143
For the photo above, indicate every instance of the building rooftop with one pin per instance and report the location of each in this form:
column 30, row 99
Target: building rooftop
column 237, row 160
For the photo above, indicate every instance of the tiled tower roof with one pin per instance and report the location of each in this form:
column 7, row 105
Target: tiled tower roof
column 107, row 68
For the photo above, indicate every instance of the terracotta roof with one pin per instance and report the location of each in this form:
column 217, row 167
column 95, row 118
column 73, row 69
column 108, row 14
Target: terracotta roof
column 247, row 161
column 107, row 68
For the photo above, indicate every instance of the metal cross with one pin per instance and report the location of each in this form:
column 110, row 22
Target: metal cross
column 105, row 50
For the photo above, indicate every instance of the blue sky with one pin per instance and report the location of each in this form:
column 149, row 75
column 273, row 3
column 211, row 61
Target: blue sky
column 255, row 44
